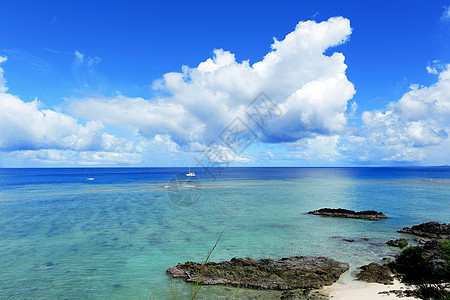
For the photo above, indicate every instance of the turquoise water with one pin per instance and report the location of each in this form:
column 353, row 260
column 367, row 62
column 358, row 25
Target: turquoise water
column 62, row 236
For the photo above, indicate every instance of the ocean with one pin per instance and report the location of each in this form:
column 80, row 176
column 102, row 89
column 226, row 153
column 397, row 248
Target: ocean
column 110, row 233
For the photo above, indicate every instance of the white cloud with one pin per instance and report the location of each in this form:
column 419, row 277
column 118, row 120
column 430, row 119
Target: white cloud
column 435, row 67
column 220, row 154
column 30, row 132
column 81, row 158
column 324, row 148
column 408, row 130
column 79, row 57
column 165, row 143
column 3, row 88
column 85, row 73
column 151, row 118
column 353, row 108
column 432, row 70
column 310, row 87
column 24, row 126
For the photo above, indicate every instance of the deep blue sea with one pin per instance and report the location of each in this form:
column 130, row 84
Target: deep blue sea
column 110, row 233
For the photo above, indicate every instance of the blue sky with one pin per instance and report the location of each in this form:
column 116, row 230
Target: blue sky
column 101, row 83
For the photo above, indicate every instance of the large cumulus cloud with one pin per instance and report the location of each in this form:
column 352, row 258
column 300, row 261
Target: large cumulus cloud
column 311, row 89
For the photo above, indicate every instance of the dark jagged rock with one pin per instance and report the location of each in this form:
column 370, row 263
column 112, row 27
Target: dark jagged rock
column 305, row 294
column 398, row 293
column 297, row 272
column 351, row 240
column 345, row 213
column 402, row 243
column 375, row 273
column 421, row 241
column 432, row 230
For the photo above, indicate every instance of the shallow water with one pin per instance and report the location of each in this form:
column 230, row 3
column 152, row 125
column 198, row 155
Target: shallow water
column 62, row 236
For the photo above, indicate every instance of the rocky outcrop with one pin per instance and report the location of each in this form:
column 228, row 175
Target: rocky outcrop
column 298, row 272
column 345, row 213
column 432, row 230
column 375, row 273
column 304, row 294
column 402, row 243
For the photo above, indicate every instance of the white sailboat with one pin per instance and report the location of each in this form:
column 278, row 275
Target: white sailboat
column 190, row 174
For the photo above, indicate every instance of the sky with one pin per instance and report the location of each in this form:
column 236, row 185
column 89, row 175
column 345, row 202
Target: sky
column 277, row 83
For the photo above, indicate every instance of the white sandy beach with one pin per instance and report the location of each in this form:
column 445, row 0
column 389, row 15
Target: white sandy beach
column 352, row 290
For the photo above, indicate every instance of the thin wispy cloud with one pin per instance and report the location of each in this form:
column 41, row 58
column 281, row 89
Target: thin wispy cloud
column 446, row 14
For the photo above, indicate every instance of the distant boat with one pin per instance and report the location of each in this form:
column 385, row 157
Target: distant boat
column 90, row 178
column 190, row 174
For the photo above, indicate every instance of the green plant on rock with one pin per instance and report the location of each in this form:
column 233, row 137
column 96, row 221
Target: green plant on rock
column 444, row 248
column 403, row 243
column 413, row 263
column 197, row 285
column 420, row 267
